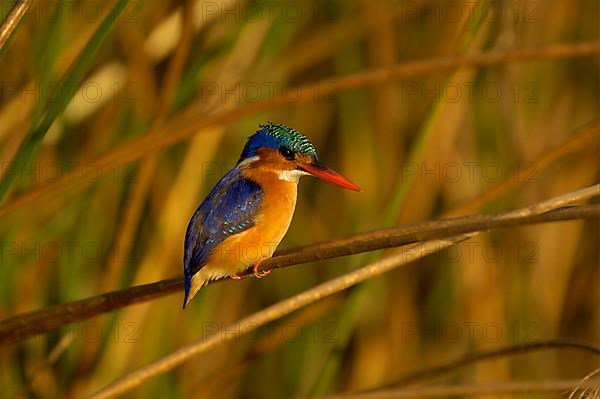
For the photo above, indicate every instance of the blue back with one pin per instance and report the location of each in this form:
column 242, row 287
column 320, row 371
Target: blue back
column 230, row 208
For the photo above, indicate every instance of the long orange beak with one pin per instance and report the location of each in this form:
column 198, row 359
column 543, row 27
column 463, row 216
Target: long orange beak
column 321, row 171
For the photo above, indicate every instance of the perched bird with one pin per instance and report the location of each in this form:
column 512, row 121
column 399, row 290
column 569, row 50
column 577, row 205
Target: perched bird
column 247, row 213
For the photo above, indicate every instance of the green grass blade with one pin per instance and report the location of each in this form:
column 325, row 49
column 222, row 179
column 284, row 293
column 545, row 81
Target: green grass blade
column 67, row 87
column 4, row 13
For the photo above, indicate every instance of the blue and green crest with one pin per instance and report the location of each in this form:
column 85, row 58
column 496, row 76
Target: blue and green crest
column 277, row 135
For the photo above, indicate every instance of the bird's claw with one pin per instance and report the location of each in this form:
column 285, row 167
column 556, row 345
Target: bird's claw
column 259, row 273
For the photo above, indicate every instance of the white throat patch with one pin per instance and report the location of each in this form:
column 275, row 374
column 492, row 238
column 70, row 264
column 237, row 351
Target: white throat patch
column 291, row 175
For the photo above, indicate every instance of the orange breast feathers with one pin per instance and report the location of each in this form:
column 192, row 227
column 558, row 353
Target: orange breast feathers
column 276, row 210
column 238, row 252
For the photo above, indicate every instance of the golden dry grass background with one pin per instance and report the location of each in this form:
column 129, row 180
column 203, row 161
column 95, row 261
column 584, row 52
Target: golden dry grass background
column 421, row 147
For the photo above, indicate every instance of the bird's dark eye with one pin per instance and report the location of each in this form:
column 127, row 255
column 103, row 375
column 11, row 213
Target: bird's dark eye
column 287, row 153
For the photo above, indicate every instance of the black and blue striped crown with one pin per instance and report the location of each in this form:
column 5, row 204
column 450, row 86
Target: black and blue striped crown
column 277, row 135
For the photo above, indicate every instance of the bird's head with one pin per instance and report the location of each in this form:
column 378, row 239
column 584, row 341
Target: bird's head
column 290, row 154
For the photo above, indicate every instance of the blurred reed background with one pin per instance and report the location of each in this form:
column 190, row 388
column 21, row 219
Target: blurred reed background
column 421, row 147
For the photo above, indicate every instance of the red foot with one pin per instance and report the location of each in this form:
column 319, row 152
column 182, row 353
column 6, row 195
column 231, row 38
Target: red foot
column 238, row 277
column 258, row 273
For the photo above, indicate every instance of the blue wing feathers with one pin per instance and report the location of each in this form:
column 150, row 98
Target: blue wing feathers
column 230, row 208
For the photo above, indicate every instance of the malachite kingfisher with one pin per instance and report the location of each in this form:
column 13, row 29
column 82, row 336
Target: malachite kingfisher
column 247, row 213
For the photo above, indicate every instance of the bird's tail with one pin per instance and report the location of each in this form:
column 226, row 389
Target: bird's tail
column 192, row 286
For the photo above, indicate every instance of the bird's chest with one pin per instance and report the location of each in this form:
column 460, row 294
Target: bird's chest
column 277, row 212
column 273, row 219
column 238, row 252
